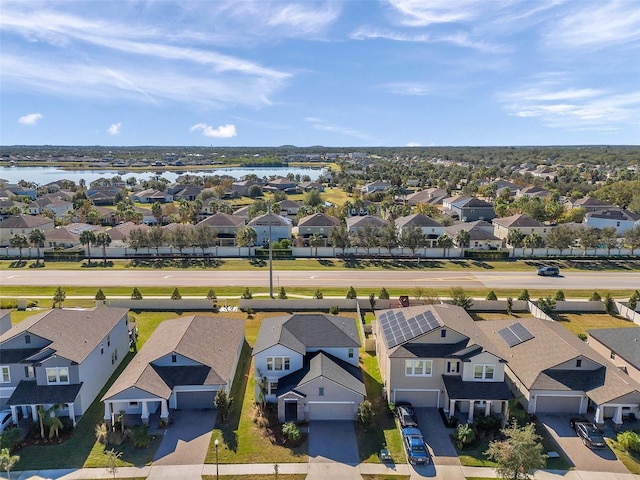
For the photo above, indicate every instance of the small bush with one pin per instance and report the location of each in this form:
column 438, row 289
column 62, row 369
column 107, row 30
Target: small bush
column 383, row 295
column 460, row 298
column 351, row 293
column 11, row 437
column 629, row 440
column 116, row 437
column 100, row 295
column 291, row 431
column 595, row 297
column 492, row 295
column 176, row 294
column 318, row 294
column 609, row 304
column 559, row 297
column 136, row 295
column 141, row 437
column 211, row 295
column 524, row 295
column 102, row 434
column 365, row 412
column 282, row 295
column 547, row 305
column 247, row 295
column 334, row 309
column 509, row 305
column 634, row 299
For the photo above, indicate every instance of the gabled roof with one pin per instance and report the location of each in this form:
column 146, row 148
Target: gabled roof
column 25, row 221
column 212, row 342
column 359, row 222
column 517, row 221
column 478, row 230
column 270, row 219
column 625, row 342
column 614, row 214
column 289, row 204
column 223, row 220
column 323, row 365
column 590, row 202
column 418, row 220
column 73, row 334
column 301, row 331
column 318, row 220
column 460, row 390
column 122, row 230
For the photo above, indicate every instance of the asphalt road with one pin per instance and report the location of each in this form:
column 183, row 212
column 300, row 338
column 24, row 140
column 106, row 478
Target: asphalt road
column 428, row 278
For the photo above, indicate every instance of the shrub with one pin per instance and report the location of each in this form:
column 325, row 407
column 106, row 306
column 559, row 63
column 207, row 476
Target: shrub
column 141, row 437
column 116, row 437
column 283, row 294
column 460, row 298
column 223, row 403
column 492, row 295
column 524, row 295
column 582, row 336
column 629, row 440
column 11, row 437
column 351, row 293
column 318, row 294
column 365, row 412
column 102, row 434
column 383, row 295
column 176, row 294
column 547, row 305
column 247, row 295
column 100, row 295
column 609, row 304
column 509, row 305
column 334, row 309
column 559, row 297
column 595, row 297
column 633, row 301
column 211, row 295
column 136, row 295
column 291, row 431
column 464, row 435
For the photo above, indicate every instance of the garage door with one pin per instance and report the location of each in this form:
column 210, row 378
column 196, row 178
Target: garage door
column 195, row 400
column 331, row 411
column 418, row 398
column 555, row 404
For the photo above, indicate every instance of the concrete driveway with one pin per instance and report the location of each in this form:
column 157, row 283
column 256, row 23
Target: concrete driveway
column 333, row 441
column 437, row 436
column 582, row 457
column 187, row 438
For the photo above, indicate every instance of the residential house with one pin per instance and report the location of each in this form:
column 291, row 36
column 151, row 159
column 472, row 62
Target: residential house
column 58, row 207
column 317, row 223
column 289, row 207
column 242, row 187
column 480, row 234
column 23, row 224
column 151, row 195
column 589, row 204
column 532, row 191
column 620, row 345
column 308, row 364
column 622, row 220
column 103, row 197
column 120, row 232
column 181, row 366
column 377, row 186
column 5, row 319
column 9, row 206
column 281, row 183
column 430, row 228
column 553, row 371
column 61, row 357
column 432, row 196
column 270, row 227
column 21, row 191
column 526, row 225
column 355, row 224
column 225, row 225
column 307, row 186
column 468, row 209
column 188, row 192
column 435, row 356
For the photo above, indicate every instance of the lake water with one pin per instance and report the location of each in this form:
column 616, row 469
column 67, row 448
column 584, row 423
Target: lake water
column 43, row 175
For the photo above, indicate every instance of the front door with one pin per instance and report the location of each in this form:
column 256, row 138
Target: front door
column 290, row 411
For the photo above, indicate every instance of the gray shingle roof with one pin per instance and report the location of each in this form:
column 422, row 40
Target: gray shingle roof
column 459, row 390
column 518, row 220
column 25, row 221
column 418, row 220
column 309, row 330
column 318, row 220
column 30, row 393
column 625, row 342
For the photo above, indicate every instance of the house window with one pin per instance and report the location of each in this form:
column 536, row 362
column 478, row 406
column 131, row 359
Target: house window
column 57, row 375
column 101, row 349
column 174, row 358
column 321, row 391
column 443, row 333
column 418, row 368
column 278, row 363
column 483, row 372
column 273, row 387
column 5, row 374
column 29, row 371
column 613, row 355
column 114, row 357
column 351, row 353
column 108, row 340
column 453, row 367
column 27, row 339
column 133, row 404
column 579, row 363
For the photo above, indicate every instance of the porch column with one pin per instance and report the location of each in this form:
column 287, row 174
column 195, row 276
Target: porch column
column 107, row 412
column 599, row 415
column 145, row 412
column 72, row 413
column 452, row 408
column 14, row 414
column 617, row 417
column 471, row 403
column 34, row 413
column 505, row 414
column 164, row 410
column 487, row 408
column 25, row 410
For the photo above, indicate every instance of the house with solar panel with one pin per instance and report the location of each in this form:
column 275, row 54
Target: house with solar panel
column 308, row 365
column 436, row 356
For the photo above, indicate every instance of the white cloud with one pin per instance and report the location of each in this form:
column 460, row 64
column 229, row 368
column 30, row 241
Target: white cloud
column 114, row 129
column 320, row 124
column 30, row 119
column 413, row 144
column 420, row 13
column 408, row 88
column 223, row 131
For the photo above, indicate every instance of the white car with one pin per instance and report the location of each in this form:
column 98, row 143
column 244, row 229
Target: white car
column 5, row 419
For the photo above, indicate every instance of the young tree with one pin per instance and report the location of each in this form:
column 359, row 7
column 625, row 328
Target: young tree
column 609, row 237
column 19, row 241
column 509, row 305
column 383, row 295
column 211, row 295
column 546, row 304
column 37, row 238
column 492, row 295
column 521, row 452
column 445, row 242
column 595, row 297
column 524, row 295
column 87, row 237
column 463, row 238
column 365, row 413
column 282, row 295
column 560, row 237
column 7, row 461
column 372, row 301
column 100, row 295
column 138, row 238
column 104, row 240
column 412, row 238
column 204, row 236
column 246, row 237
column 318, row 294
column 351, row 293
column 58, row 297
column 515, row 238
column 633, row 300
column 247, row 295
column 135, row 294
column 460, row 298
column 112, row 461
column 631, row 238
column 176, row 294
column 559, row 297
column 223, row 403
column 339, row 237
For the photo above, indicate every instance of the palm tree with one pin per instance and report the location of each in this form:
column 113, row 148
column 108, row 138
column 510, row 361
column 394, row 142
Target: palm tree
column 104, row 240
column 19, row 241
column 7, row 461
column 87, row 237
column 316, row 240
column 463, row 239
column 445, row 242
column 246, row 237
column 533, row 240
column 37, row 238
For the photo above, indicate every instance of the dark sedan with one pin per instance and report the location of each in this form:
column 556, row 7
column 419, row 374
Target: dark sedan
column 406, row 415
column 590, row 434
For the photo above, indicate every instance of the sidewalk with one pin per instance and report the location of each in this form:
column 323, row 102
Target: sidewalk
column 195, row 472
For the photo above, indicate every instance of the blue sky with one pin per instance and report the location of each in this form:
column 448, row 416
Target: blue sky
column 352, row 73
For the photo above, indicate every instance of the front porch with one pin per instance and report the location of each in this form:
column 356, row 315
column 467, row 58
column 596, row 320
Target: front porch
column 470, row 399
column 142, row 409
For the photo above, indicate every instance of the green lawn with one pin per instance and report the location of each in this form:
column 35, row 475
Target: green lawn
column 631, row 460
column 579, row 323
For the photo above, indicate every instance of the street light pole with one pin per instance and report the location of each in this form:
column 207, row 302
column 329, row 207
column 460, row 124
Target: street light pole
column 270, row 252
column 217, row 473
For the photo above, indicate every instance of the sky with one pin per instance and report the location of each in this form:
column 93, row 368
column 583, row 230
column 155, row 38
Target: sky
column 320, row 73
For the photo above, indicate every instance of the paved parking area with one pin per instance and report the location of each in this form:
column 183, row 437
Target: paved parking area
column 333, row 441
column 187, row 438
column 437, row 436
column 582, row 457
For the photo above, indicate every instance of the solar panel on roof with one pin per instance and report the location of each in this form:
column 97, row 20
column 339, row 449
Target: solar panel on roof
column 509, row 337
column 521, row 332
column 515, row 334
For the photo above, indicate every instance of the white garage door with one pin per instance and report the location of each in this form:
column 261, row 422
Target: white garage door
column 418, row 398
column 196, row 400
column 555, row 404
column 331, row 411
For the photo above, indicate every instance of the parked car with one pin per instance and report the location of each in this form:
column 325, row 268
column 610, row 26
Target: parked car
column 5, row 419
column 590, row 434
column 406, row 415
column 414, row 446
column 548, row 271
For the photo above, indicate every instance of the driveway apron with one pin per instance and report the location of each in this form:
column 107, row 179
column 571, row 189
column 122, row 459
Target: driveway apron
column 437, row 437
column 333, row 441
column 582, row 457
column 186, row 440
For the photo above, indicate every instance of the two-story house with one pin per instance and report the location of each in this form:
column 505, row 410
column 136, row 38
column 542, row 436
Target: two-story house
column 468, row 209
column 277, row 226
column 317, row 223
column 620, row 345
column 23, row 224
column 181, row 366
column 308, row 364
column 618, row 218
column 225, row 225
column 61, row 357
column 435, row 356
column 430, row 228
column 526, row 225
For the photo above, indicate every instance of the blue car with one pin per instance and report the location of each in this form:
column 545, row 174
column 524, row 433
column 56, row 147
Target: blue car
column 414, row 446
